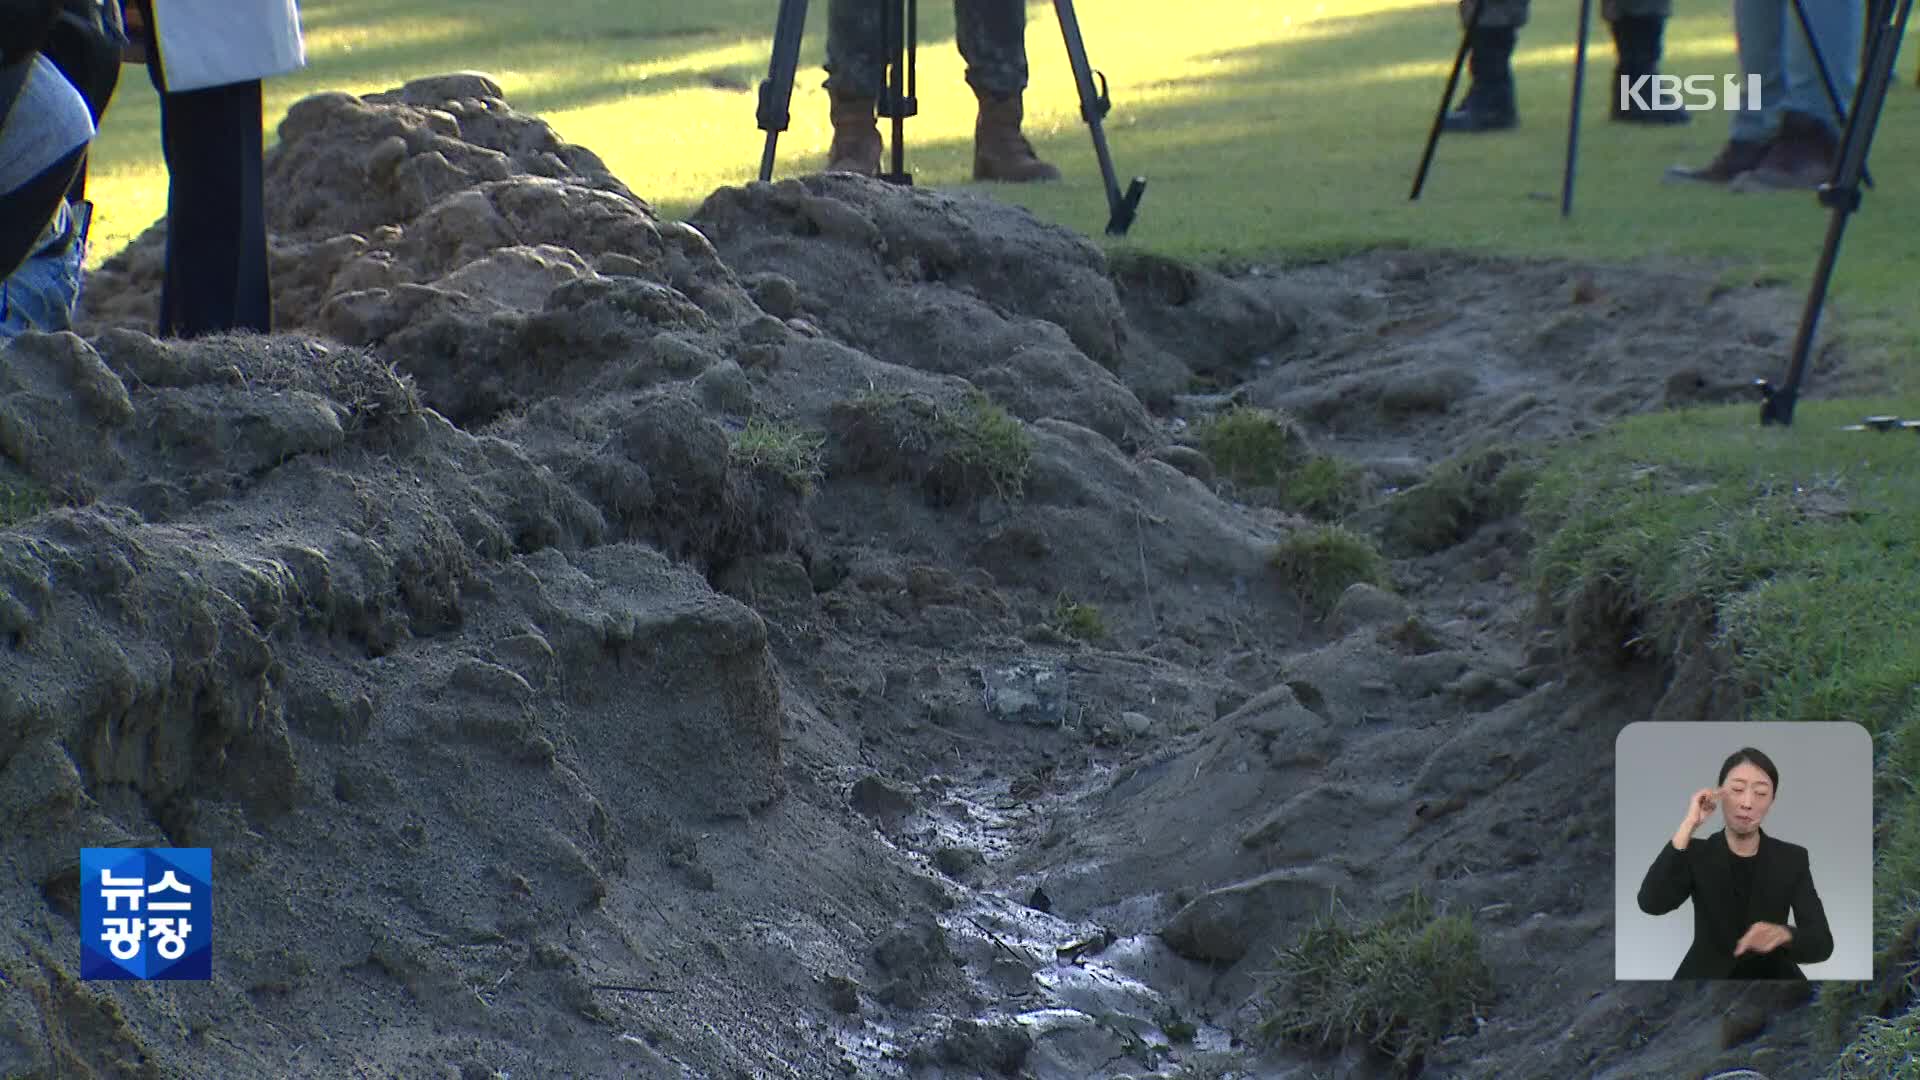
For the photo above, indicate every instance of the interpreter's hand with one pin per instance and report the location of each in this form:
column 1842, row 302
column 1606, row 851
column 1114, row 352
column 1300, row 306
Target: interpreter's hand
column 1763, row 937
column 1701, row 807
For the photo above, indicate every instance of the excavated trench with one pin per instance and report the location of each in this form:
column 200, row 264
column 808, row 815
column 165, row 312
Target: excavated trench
column 839, row 635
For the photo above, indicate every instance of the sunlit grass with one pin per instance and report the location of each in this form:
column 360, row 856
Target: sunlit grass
column 1263, row 129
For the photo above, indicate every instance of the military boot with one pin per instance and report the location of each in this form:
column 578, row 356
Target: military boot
column 1636, row 44
column 1000, row 152
column 856, row 136
column 1489, row 103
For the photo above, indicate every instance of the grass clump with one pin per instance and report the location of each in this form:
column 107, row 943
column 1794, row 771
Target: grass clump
column 1399, row 985
column 1322, row 561
column 1323, row 488
column 1076, row 620
column 988, row 441
column 1265, row 451
column 954, row 451
column 1884, row 1048
column 1463, row 493
column 795, row 454
column 1252, row 447
column 20, row 499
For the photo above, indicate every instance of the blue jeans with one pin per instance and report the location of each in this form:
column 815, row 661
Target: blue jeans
column 1773, row 47
column 44, row 292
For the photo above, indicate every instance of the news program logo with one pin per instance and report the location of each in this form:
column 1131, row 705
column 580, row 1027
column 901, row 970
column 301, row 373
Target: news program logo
column 146, row 913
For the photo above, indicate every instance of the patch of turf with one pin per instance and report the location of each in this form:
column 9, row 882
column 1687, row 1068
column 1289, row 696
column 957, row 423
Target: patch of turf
column 1323, row 488
column 1252, row 447
column 1398, row 985
column 20, row 499
column 1460, row 495
column 1322, row 561
column 795, row 454
column 955, row 451
column 1078, row 620
column 1796, row 554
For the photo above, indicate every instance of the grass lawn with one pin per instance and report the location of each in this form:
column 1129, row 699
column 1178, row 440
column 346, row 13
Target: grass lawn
column 1272, row 130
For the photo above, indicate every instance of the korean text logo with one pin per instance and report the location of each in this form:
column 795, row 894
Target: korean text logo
column 146, row 913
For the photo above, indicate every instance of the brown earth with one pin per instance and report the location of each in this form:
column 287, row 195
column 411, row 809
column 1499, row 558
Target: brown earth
column 551, row 712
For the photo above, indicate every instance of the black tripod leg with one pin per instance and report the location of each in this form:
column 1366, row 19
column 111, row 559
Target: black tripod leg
column 1826, row 73
column 1094, row 105
column 897, row 99
column 1446, row 99
column 1573, row 113
column 776, row 90
column 1842, row 194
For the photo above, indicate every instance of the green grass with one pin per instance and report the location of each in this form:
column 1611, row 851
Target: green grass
column 1076, row 620
column 795, row 454
column 1797, row 553
column 1462, row 493
column 20, row 499
column 1322, row 561
column 1398, row 985
column 987, row 440
column 1255, row 447
column 1266, row 454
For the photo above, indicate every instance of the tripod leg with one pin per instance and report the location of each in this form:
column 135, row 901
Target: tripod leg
column 1573, row 114
column 1446, row 99
column 1826, row 73
column 776, row 90
column 1842, row 194
column 1093, row 107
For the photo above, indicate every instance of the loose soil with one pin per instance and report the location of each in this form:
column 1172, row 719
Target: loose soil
column 600, row 645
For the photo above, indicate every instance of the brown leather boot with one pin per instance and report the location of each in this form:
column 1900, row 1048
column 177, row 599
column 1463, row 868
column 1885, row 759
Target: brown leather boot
column 856, row 136
column 1000, row 152
column 1801, row 157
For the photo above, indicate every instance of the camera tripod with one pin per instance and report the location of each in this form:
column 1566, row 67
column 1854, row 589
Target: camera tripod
column 1887, row 25
column 898, row 98
column 1579, row 81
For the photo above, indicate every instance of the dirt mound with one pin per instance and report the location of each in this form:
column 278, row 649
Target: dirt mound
column 857, row 630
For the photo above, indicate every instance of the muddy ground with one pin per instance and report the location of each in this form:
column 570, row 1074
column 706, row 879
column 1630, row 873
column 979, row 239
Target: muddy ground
column 599, row 645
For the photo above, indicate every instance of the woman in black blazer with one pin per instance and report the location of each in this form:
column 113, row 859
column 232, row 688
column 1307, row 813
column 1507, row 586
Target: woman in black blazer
column 1742, row 883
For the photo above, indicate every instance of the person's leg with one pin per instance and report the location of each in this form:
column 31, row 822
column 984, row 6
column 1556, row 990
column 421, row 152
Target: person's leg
column 44, row 292
column 1639, row 28
column 1757, row 32
column 1805, row 149
column 253, row 286
column 1489, row 101
column 856, row 71
column 1837, row 28
column 216, row 277
column 992, row 36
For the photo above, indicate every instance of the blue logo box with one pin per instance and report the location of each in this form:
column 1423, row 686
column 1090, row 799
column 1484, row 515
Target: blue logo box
column 146, row 913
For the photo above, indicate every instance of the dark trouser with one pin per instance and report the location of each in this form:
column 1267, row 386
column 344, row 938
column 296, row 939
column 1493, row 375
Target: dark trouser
column 991, row 34
column 213, row 140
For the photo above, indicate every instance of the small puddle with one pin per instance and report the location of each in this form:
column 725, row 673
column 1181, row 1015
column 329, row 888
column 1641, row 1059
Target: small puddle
column 1084, row 995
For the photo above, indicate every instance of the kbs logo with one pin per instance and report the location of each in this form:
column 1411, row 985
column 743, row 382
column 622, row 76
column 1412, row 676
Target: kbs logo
column 1694, row 92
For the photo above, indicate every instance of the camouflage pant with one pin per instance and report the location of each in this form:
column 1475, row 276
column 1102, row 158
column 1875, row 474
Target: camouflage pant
column 1514, row 12
column 992, row 38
